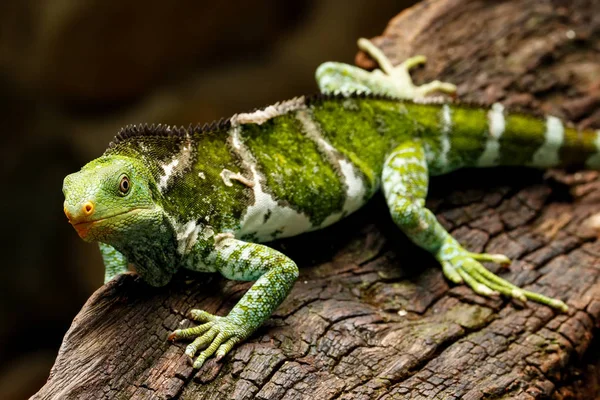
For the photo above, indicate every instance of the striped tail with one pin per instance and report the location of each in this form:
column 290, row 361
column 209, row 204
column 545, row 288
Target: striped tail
column 473, row 137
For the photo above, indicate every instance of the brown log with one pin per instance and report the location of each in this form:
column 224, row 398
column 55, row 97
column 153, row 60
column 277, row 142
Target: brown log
column 371, row 316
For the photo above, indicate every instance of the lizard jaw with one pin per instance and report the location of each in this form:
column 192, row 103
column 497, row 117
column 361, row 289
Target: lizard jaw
column 83, row 228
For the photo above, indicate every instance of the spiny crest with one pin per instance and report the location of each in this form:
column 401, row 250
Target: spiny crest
column 434, row 100
column 222, row 124
column 133, row 131
column 144, row 130
column 340, row 95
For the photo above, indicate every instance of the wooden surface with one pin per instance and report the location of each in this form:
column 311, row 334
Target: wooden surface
column 371, row 316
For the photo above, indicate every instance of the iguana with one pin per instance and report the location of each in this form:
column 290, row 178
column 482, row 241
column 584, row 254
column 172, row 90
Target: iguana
column 204, row 198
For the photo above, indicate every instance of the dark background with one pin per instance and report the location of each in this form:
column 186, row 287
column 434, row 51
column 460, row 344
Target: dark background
column 73, row 72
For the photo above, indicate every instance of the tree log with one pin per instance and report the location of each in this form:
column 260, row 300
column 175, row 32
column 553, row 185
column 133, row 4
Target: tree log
column 371, row 316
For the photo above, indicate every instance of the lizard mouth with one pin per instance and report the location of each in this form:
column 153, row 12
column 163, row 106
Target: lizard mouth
column 83, row 227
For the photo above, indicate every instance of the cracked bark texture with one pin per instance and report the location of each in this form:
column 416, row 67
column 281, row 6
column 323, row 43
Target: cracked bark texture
column 371, row 316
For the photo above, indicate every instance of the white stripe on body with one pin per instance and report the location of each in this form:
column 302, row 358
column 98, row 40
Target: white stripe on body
column 355, row 186
column 497, row 125
column 179, row 163
column 261, row 116
column 265, row 218
column 187, row 235
column 548, row 153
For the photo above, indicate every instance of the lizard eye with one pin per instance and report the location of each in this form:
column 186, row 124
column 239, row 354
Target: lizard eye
column 124, row 185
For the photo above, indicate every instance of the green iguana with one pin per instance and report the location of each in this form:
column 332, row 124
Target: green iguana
column 202, row 198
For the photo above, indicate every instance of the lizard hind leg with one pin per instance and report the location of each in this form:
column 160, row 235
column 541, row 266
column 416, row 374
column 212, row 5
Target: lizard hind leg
column 394, row 81
column 405, row 181
column 399, row 76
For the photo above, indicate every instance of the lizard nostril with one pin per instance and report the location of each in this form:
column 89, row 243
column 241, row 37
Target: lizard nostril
column 88, row 208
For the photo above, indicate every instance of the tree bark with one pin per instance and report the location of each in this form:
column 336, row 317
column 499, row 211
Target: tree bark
column 371, row 316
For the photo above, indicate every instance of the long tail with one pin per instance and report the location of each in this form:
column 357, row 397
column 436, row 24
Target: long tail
column 469, row 136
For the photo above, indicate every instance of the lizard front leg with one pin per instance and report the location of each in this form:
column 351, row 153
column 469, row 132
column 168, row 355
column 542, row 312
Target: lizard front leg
column 405, row 181
column 274, row 274
column 115, row 262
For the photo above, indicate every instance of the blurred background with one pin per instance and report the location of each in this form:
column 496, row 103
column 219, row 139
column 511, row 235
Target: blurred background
column 73, row 72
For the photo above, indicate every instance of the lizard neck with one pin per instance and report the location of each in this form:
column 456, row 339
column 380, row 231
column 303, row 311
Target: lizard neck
column 151, row 246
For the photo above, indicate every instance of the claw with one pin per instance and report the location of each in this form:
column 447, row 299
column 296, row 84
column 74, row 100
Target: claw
column 495, row 258
column 190, row 350
column 555, row 303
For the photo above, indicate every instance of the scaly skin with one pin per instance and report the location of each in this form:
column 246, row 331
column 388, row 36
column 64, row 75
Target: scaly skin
column 203, row 198
column 115, row 262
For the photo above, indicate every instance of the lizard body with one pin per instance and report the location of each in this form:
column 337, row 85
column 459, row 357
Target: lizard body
column 204, row 198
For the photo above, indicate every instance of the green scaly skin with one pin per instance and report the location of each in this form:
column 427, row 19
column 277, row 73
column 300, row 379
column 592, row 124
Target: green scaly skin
column 203, row 198
column 115, row 262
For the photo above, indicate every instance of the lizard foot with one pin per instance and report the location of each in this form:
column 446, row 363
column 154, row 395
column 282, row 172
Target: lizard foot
column 460, row 266
column 217, row 336
column 400, row 74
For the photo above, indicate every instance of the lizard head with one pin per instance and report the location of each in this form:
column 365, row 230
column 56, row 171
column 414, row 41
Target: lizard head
column 108, row 197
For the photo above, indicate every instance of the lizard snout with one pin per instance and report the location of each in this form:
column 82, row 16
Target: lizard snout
column 78, row 213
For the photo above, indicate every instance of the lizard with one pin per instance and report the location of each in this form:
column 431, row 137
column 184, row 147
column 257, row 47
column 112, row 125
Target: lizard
column 207, row 198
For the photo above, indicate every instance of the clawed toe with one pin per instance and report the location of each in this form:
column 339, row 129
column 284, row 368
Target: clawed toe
column 217, row 336
column 460, row 266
